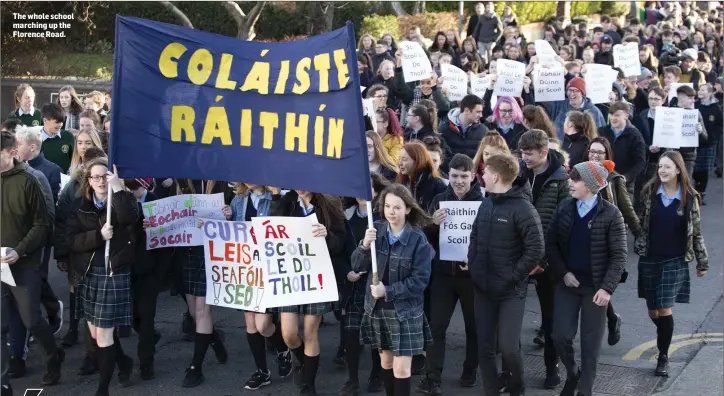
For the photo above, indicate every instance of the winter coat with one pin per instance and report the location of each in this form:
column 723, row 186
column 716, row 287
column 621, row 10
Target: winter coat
column 629, row 150
column 460, row 141
column 506, row 243
column 575, row 145
column 695, row 247
column 426, row 189
column 52, row 173
column 489, row 28
column 617, row 194
column 512, row 137
column 83, row 232
column 609, row 249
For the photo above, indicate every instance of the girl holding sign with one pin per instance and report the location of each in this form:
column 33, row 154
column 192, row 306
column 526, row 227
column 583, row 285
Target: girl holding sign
column 104, row 292
column 670, row 239
column 251, row 201
column 394, row 321
column 331, row 226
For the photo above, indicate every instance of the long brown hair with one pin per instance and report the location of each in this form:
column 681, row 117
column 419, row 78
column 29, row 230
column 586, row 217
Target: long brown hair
column 491, row 139
column 417, row 217
column 86, row 188
column 328, row 209
column 75, row 105
column 423, row 163
column 537, row 118
column 583, row 122
column 381, row 155
column 19, row 94
column 682, row 179
column 94, row 137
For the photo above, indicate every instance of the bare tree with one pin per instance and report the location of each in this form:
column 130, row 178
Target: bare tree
column 244, row 22
column 461, row 16
column 320, row 17
column 397, row 7
column 178, row 14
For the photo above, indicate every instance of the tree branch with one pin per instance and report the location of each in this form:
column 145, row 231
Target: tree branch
column 246, row 30
column 236, row 12
column 397, row 7
column 178, row 14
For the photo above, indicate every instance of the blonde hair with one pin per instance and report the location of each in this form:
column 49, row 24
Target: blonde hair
column 98, row 97
column 381, row 154
column 93, row 134
column 19, row 93
column 491, row 139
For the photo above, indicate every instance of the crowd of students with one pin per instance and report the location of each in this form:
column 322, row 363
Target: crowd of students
column 559, row 185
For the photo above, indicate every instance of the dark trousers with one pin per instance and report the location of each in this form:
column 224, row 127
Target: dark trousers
column 145, row 296
column 498, row 325
column 569, row 303
column 701, row 180
column 445, row 291
column 26, row 296
column 18, row 336
column 545, row 289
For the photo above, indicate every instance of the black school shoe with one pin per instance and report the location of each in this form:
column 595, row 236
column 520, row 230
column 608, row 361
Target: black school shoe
column 374, row 384
column 125, row 368
column 147, row 372
column 258, row 379
column 194, row 377
column 569, row 388
column 614, row 330
column 88, row 366
column 222, row 356
column 662, row 366
column 350, row 388
column 53, row 368
column 540, row 337
column 428, row 386
column 469, row 378
column 16, row 367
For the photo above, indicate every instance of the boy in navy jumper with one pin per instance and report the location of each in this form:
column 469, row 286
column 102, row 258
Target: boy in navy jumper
column 586, row 247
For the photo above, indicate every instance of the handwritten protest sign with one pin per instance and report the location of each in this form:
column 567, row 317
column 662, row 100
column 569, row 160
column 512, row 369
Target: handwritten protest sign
column 626, row 58
column 455, row 80
column 667, row 127
column 369, row 104
column 215, row 107
column 64, row 179
column 297, row 267
column 545, row 53
column 479, row 85
column 415, row 63
column 510, row 78
column 549, row 84
column 173, row 219
column 234, row 272
column 455, row 230
column 598, row 82
column 689, row 134
column 6, row 276
column 673, row 87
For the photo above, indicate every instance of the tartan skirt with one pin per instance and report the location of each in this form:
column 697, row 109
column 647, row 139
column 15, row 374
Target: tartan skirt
column 663, row 283
column 705, row 159
column 384, row 331
column 104, row 301
column 305, row 309
column 194, row 272
column 354, row 308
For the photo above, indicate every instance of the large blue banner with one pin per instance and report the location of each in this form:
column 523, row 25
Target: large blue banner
column 189, row 104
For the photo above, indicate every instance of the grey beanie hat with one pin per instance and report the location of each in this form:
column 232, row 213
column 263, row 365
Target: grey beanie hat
column 594, row 175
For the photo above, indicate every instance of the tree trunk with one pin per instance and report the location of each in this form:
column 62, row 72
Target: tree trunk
column 178, row 14
column 564, row 10
column 244, row 22
column 320, row 17
column 397, row 7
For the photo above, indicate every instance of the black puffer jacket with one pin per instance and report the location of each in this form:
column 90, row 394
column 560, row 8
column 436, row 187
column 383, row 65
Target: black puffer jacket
column 83, row 232
column 506, row 243
column 575, row 145
column 427, row 189
column 609, row 250
column 459, row 142
column 449, row 268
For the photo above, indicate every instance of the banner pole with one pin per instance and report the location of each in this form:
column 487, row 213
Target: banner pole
column 373, row 249
column 109, row 199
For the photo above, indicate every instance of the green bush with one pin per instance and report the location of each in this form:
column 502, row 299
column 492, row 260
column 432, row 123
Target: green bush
column 377, row 25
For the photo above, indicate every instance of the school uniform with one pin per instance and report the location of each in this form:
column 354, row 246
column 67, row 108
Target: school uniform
column 397, row 323
column 58, row 148
column 32, row 118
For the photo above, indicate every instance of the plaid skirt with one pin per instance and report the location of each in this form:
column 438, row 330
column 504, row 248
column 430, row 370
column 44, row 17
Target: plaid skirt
column 662, row 283
column 705, row 159
column 382, row 330
column 305, row 309
column 354, row 308
column 194, row 272
column 104, row 301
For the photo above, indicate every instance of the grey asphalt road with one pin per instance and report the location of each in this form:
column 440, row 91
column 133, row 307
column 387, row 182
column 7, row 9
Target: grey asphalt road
column 624, row 369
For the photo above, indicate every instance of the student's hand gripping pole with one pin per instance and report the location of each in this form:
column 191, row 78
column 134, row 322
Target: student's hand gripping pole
column 373, row 250
column 108, row 221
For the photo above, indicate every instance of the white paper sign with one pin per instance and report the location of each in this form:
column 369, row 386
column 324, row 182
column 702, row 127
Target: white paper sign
column 479, row 85
column 598, row 82
column 6, row 276
column 234, row 271
column 673, row 87
column 64, row 179
column 626, row 58
column 455, row 81
column 415, row 64
column 173, row 219
column 509, row 81
column 455, row 230
column 545, row 53
column 369, row 105
column 297, row 267
column 667, row 127
column 549, row 84
column 689, row 135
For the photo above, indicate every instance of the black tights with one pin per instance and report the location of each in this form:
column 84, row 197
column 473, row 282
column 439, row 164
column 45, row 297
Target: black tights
column 701, row 180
